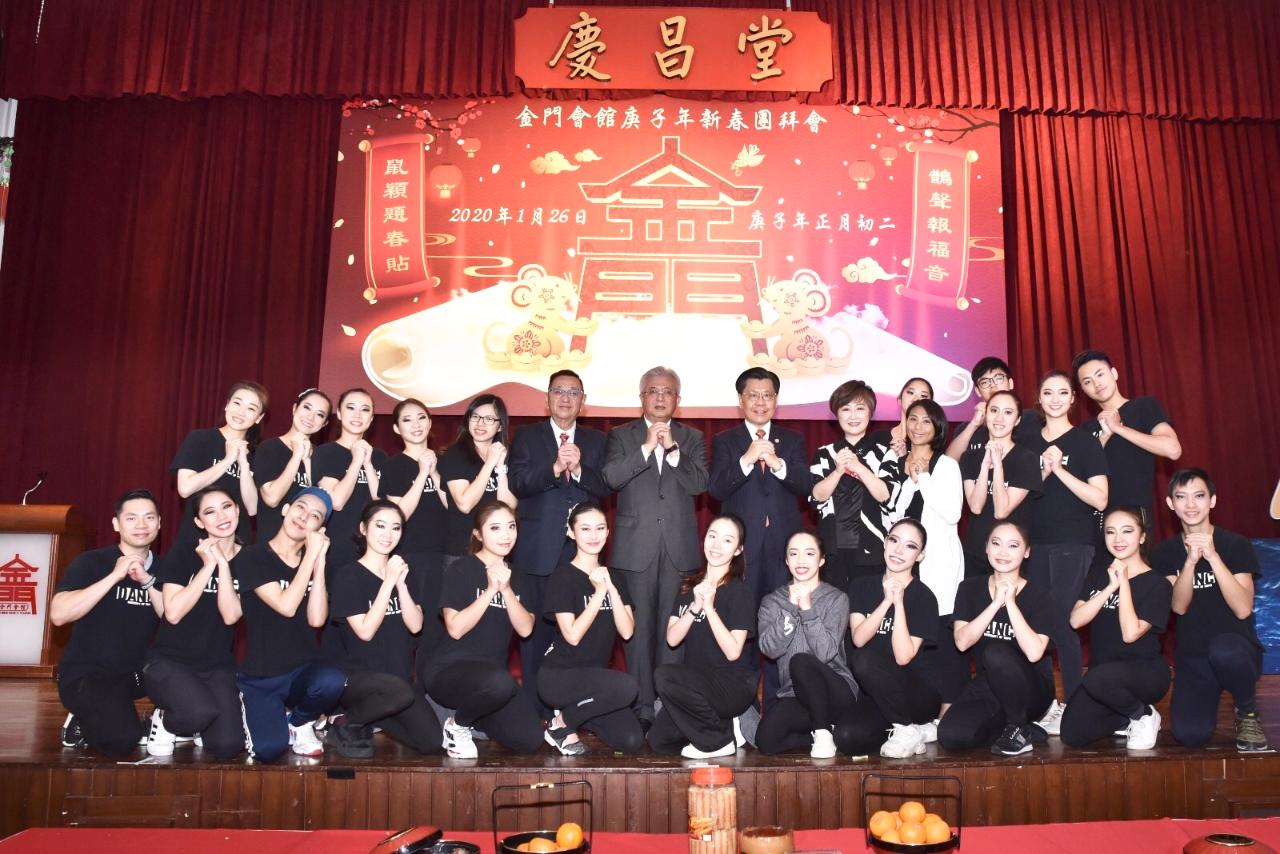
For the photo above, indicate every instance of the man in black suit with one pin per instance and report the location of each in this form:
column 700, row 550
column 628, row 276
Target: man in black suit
column 656, row 466
column 553, row 466
column 760, row 473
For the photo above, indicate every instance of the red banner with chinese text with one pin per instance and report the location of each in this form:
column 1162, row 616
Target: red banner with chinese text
column 394, row 218
column 670, row 48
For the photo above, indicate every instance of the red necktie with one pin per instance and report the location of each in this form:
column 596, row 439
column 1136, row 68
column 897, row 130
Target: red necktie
column 763, row 465
column 564, row 439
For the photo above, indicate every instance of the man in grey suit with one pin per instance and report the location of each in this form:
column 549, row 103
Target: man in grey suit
column 656, row 466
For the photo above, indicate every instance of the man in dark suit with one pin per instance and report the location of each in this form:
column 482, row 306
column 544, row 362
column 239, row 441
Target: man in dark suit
column 656, row 466
column 760, row 473
column 554, row 465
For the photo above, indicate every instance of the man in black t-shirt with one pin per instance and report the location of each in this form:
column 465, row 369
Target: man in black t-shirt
column 1132, row 432
column 990, row 375
column 1216, row 644
column 111, row 596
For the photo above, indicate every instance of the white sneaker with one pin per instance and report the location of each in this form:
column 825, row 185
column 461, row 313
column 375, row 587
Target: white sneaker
column 824, row 744
column 905, row 740
column 1052, row 720
column 303, row 741
column 739, row 740
column 1144, row 731
column 199, row 740
column 458, row 741
column 691, row 752
column 929, row 731
column 160, row 741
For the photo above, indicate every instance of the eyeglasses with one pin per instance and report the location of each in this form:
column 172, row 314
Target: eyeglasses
column 486, row 420
column 993, row 381
column 571, row 393
column 660, row 392
column 761, row 396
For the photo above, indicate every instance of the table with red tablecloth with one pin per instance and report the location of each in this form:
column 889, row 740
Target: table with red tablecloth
column 1104, row 837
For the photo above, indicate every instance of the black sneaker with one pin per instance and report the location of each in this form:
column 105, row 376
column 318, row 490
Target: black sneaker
column 72, row 736
column 558, row 738
column 1036, row 734
column 1249, row 734
column 1014, row 741
column 350, row 740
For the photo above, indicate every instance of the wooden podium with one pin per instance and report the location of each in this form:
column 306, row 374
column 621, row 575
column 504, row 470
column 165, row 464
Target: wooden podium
column 37, row 541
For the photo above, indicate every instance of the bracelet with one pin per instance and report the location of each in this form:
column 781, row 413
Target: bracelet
column 502, row 469
column 149, row 583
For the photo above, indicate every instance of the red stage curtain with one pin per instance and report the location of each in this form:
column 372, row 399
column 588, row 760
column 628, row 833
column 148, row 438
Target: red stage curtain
column 156, row 252
column 1196, row 58
column 1159, row 242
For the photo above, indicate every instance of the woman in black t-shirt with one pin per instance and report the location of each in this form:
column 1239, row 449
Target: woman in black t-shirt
column 892, row 618
column 998, row 480
column 191, row 672
column 713, row 621
column 474, row 468
column 222, row 456
column 480, row 603
column 1127, row 606
column 349, row 469
column 1064, row 522
column 377, row 620
column 575, row 677
column 282, row 465
column 1004, row 619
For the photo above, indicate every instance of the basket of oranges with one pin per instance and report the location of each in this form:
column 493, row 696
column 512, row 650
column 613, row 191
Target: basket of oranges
column 568, row 838
column 901, row 823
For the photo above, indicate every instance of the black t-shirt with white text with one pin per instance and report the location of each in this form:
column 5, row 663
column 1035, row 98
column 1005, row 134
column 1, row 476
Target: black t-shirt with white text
column 866, row 594
column 1022, row 471
column 568, row 591
column 426, row 529
column 974, row 596
column 390, row 650
column 465, row 581
column 1132, row 471
column 200, row 450
column 201, row 639
column 269, row 462
column 333, row 460
column 1058, row 516
column 113, row 636
column 1208, row 615
column 274, row 644
column 455, row 465
column 735, row 604
column 1152, row 594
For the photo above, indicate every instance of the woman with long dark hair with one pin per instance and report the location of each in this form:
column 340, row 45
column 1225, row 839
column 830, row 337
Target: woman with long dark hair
column 474, row 468
column 713, row 622
column 591, row 609
column 222, row 456
column 350, row 470
column 282, row 465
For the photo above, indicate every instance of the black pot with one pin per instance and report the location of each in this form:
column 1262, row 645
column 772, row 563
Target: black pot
column 510, row 844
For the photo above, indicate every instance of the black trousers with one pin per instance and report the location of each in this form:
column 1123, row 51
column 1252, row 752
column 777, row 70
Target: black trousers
column 1063, row 567
column 598, row 699
column 393, row 705
column 104, row 704
column 203, row 702
column 1111, row 695
column 945, row 667
column 900, row 693
column 1233, row 664
column 487, row 696
column 653, row 594
column 1007, row 690
column 698, row 705
column 534, row 647
column 823, row 701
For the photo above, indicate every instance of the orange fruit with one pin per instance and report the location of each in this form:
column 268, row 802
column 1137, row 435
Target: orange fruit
column 912, row 811
column 937, row 831
column 882, row 821
column 569, row 835
column 523, row 846
column 543, row 845
column 933, row 816
column 890, row 836
column 911, row 832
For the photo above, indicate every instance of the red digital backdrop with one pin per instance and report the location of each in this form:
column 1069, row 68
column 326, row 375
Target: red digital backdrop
column 484, row 244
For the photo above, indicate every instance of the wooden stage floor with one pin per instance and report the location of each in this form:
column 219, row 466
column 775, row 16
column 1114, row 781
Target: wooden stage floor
column 42, row 784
